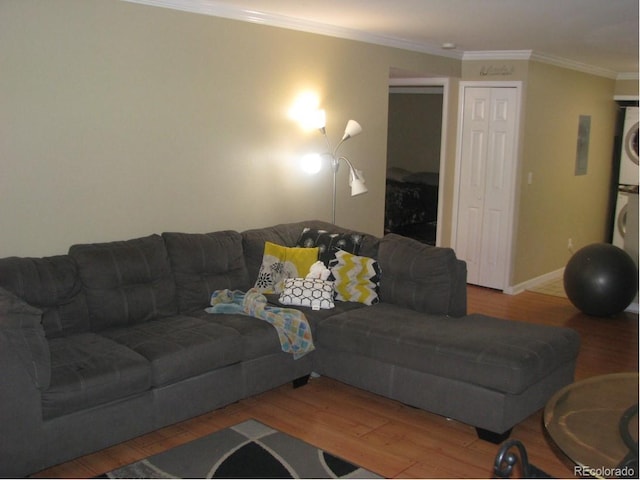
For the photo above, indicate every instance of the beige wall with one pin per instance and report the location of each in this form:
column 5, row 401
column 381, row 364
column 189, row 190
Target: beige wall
column 627, row 88
column 559, row 205
column 119, row 120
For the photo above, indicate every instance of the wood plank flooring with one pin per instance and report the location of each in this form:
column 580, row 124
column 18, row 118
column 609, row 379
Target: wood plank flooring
column 387, row 437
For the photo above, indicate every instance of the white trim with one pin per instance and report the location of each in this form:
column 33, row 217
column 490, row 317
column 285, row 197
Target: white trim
column 217, row 9
column 534, row 282
column 573, row 65
column 513, row 188
column 433, row 82
column 493, row 55
column 626, row 98
column 443, row 159
column 633, row 308
column 498, row 55
column 426, row 90
column 628, row 76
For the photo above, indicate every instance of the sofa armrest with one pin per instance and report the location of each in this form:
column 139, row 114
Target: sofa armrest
column 458, row 302
column 25, row 371
column 421, row 277
column 22, row 332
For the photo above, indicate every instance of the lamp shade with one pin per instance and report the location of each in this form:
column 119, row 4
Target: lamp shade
column 352, row 129
column 358, row 188
column 356, row 181
column 318, row 119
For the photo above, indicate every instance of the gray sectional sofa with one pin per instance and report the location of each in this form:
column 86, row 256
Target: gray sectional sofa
column 112, row 341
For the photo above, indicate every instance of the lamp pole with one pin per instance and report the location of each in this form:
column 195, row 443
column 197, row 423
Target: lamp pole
column 353, row 128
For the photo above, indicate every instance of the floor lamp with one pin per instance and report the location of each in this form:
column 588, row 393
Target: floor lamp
column 356, row 178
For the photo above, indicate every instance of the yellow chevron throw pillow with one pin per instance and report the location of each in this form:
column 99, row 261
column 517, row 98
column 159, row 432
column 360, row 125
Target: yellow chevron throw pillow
column 357, row 279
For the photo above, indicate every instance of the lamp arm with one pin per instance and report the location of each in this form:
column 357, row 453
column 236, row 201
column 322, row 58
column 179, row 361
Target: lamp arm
column 348, row 162
column 335, row 150
column 323, row 130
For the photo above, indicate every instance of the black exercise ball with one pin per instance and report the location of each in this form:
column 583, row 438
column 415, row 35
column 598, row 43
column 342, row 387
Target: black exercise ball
column 601, row 279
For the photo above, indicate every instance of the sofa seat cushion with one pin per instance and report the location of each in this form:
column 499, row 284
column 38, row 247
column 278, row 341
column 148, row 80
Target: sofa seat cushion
column 180, row 347
column 314, row 317
column 87, row 370
column 503, row 355
column 258, row 337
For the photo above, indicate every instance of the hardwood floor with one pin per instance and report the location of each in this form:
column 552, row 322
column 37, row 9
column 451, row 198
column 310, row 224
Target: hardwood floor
column 385, row 436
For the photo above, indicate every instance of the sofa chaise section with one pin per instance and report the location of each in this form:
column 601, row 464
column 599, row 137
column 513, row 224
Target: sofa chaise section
column 492, row 376
column 419, row 346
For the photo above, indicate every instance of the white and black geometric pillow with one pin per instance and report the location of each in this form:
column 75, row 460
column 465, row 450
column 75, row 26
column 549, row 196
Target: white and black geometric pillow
column 308, row 292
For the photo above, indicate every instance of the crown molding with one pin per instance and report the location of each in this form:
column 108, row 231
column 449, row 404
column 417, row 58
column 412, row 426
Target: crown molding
column 539, row 57
column 489, row 55
column 573, row 65
column 628, row 76
column 217, row 9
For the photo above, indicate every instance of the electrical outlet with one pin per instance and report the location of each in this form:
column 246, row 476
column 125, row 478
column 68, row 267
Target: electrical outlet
column 570, row 244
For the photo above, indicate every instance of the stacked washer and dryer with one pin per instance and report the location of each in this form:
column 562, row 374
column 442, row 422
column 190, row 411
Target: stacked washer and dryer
column 625, row 231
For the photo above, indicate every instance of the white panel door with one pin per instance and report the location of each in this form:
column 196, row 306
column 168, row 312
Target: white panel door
column 487, row 163
column 472, row 173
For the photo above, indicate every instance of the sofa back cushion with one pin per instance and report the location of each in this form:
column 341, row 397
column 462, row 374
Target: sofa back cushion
column 126, row 282
column 287, row 235
column 52, row 285
column 421, row 277
column 203, row 263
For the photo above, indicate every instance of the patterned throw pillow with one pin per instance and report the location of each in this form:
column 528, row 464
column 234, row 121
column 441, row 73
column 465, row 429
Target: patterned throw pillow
column 329, row 243
column 280, row 263
column 308, row 292
column 357, row 279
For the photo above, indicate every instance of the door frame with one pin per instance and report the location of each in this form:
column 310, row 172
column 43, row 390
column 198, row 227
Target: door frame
column 434, row 82
column 514, row 186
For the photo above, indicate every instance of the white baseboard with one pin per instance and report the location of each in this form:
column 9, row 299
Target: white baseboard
column 634, row 307
column 534, row 282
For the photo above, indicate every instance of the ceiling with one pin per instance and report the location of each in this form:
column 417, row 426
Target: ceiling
column 592, row 35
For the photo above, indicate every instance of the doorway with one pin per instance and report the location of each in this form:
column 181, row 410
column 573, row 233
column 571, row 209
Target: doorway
column 414, row 158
